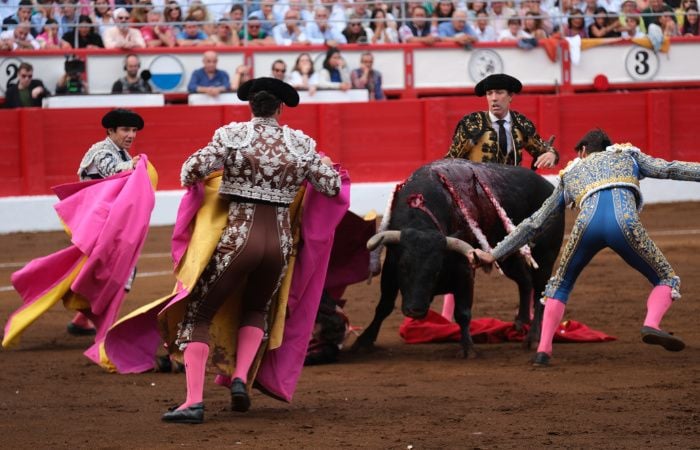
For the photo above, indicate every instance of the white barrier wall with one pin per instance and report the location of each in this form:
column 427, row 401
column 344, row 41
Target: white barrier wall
column 402, row 66
column 35, row 213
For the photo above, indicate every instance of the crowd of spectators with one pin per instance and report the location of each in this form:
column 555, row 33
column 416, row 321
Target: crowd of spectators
column 133, row 24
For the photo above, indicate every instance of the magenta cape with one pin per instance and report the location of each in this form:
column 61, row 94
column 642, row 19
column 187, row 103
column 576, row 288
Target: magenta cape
column 132, row 343
column 107, row 220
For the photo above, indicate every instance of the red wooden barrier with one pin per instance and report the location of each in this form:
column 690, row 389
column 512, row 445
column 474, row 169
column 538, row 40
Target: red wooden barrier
column 379, row 141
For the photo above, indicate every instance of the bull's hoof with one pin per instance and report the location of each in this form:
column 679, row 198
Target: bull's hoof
column 467, row 353
column 362, row 347
column 541, row 359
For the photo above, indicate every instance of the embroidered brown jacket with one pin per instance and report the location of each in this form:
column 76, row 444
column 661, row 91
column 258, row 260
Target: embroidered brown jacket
column 476, row 139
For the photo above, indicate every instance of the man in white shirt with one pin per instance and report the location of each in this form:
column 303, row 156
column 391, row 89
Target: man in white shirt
column 320, row 30
column 121, row 35
column 291, row 31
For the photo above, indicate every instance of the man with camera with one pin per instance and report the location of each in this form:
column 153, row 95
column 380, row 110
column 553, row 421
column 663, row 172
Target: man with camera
column 132, row 83
column 71, row 82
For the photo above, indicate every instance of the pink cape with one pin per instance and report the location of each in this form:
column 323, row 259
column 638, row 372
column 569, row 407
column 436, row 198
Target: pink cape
column 435, row 328
column 108, row 222
column 131, row 345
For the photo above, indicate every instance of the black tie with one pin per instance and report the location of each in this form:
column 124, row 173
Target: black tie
column 502, row 138
column 122, row 153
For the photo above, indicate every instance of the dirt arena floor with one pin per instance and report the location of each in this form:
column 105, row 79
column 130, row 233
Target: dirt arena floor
column 621, row 394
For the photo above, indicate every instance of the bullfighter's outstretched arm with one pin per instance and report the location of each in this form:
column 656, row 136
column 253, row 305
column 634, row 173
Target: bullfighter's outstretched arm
column 659, row 168
column 529, row 228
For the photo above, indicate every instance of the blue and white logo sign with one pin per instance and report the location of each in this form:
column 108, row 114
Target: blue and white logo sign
column 167, row 72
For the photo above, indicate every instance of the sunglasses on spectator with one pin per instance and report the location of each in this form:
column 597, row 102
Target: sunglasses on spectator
column 254, row 27
column 26, row 75
column 122, row 17
column 279, row 70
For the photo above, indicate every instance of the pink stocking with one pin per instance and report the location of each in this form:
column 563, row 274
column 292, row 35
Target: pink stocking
column 249, row 339
column 553, row 313
column 81, row 320
column 448, row 306
column 196, row 355
column 657, row 304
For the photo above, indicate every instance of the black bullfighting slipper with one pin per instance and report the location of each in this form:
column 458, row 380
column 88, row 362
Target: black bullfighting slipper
column 240, row 401
column 192, row 414
column 77, row 330
column 666, row 340
column 541, row 359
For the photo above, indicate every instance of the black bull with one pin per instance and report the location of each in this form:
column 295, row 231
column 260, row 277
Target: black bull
column 434, row 203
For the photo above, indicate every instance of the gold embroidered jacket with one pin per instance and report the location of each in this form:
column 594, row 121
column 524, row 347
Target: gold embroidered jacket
column 476, row 139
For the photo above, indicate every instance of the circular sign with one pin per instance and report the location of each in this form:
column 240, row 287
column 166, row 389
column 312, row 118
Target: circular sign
column 8, row 73
column 483, row 63
column 641, row 64
column 167, row 72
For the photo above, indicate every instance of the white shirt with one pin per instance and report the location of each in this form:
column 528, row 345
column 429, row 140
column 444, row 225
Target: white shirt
column 508, row 126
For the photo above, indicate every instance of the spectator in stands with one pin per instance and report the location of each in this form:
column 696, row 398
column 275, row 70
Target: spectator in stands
column 122, row 35
column 365, row 77
column 18, row 38
column 682, row 9
column 534, row 6
column 224, row 35
column 443, row 12
column 192, row 34
column 281, row 7
column 589, row 7
column 209, row 80
column 256, row 34
column 8, row 8
column 690, row 24
column 477, row 134
column 139, row 11
column 355, row 32
column 576, row 24
column 602, row 26
column 514, row 32
column 173, row 16
column 653, row 12
column 500, row 13
column 338, row 19
column 532, row 25
column 84, row 35
column 23, row 14
column 266, row 16
column 360, row 11
column 334, row 74
column 628, row 8
column 382, row 32
column 102, row 16
column 667, row 22
column 243, row 73
column 632, row 28
column 303, row 76
column 418, row 29
column 279, row 70
column 43, row 10
column 28, row 91
column 218, row 9
column 291, row 31
column 457, row 29
column 49, row 37
column 321, row 32
column 474, row 8
column 132, row 82
column 484, row 30
column 156, row 33
column 236, row 19
column 199, row 13
column 67, row 16
column 71, row 82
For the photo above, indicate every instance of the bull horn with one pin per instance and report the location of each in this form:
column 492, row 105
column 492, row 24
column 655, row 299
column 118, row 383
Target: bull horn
column 458, row 245
column 385, row 237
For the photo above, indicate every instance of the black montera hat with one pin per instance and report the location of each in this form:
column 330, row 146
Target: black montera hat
column 278, row 88
column 498, row 81
column 122, row 118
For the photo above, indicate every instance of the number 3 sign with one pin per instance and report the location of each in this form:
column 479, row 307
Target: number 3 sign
column 641, row 64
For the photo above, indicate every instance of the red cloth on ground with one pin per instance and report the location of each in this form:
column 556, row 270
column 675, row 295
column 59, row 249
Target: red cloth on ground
column 435, row 328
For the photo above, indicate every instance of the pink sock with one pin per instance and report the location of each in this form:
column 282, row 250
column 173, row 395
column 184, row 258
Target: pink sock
column 81, row 320
column 657, row 304
column 553, row 313
column 196, row 354
column 249, row 339
column 448, row 306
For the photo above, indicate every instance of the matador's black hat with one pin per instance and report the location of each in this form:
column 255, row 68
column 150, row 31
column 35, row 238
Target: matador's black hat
column 122, row 118
column 278, row 88
column 498, row 81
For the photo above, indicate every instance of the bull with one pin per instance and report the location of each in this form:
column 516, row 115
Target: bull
column 441, row 211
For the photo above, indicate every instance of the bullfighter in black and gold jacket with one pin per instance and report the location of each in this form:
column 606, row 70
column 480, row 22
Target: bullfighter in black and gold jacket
column 477, row 135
